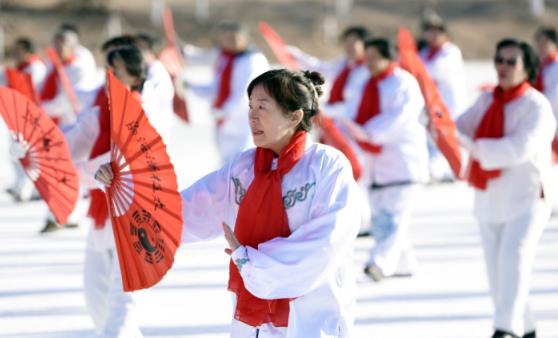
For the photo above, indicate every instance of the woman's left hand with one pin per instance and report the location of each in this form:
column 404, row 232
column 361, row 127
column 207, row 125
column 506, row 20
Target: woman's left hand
column 231, row 239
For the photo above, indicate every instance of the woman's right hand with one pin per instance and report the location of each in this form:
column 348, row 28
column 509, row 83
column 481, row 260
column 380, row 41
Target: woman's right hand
column 104, row 174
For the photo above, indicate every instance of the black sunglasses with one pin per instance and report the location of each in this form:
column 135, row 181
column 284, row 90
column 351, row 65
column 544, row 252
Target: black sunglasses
column 500, row 60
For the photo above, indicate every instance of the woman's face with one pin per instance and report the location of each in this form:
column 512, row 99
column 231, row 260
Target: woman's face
column 509, row 67
column 119, row 70
column 270, row 127
column 353, row 46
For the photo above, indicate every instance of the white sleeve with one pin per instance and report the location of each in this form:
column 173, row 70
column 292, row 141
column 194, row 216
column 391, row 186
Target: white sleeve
column 294, row 266
column 468, row 122
column 402, row 106
column 81, row 132
column 536, row 130
column 551, row 92
column 205, row 206
column 310, row 62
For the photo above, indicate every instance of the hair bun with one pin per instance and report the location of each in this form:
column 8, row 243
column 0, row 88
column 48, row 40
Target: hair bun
column 317, row 80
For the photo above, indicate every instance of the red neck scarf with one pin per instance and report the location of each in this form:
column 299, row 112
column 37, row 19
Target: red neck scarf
column 492, row 126
column 539, row 82
column 225, row 81
column 370, row 105
column 262, row 217
column 50, row 87
column 336, row 93
column 432, row 52
column 98, row 209
column 32, row 58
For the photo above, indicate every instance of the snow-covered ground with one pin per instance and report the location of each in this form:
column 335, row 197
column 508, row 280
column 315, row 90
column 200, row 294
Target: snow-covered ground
column 41, row 284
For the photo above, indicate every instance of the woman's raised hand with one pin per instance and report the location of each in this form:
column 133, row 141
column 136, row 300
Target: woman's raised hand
column 104, row 174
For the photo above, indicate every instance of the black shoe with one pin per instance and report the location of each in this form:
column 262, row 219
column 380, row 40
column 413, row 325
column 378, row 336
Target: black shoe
column 51, row 226
column 503, row 334
column 530, row 335
column 364, row 234
column 374, row 272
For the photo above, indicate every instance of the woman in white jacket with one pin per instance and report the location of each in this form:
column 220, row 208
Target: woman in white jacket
column 508, row 134
column 112, row 309
column 291, row 205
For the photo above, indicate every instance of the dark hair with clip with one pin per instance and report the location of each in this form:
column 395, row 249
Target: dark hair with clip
column 293, row 90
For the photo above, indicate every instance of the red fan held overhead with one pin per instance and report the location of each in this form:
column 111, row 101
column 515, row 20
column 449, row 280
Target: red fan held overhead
column 172, row 59
column 330, row 134
column 45, row 156
column 144, row 203
column 444, row 128
column 63, row 78
column 278, row 47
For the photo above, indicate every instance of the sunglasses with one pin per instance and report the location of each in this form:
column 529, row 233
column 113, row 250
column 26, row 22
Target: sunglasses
column 500, row 61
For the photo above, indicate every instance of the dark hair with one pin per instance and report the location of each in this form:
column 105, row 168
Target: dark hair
column 293, row 90
column 359, row 31
column 135, row 64
column 548, row 32
column 383, row 46
column 68, row 27
column 233, row 27
column 528, row 55
column 26, row 44
column 118, row 41
column 148, row 39
column 431, row 20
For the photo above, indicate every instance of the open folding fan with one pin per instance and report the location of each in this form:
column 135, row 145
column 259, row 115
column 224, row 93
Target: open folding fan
column 174, row 63
column 278, row 47
column 21, row 82
column 47, row 159
column 445, row 134
column 63, row 78
column 144, row 204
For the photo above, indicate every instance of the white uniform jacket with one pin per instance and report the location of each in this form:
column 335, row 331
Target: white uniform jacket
column 404, row 156
column 523, row 155
column 550, row 82
column 313, row 264
column 448, row 72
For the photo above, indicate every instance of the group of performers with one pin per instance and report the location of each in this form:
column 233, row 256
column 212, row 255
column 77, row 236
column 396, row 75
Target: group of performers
column 288, row 206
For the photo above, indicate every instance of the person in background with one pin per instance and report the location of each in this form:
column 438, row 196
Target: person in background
column 237, row 64
column 508, row 134
column 383, row 119
column 27, row 61
column 444, row 63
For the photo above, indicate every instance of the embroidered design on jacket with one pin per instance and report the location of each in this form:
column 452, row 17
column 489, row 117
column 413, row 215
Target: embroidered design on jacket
column 239, row 191
column 289, row 199
column 300, row 194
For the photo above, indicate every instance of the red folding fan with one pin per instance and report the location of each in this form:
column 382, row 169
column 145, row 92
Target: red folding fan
column 21, row 82
column 278, row 46
column 47, row 159
column 63, row 78
column 445, row 134
column 144, row 203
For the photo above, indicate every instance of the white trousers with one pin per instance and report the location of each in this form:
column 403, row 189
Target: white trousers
column 112, row 309
column 391, row 214
column 509, row 252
